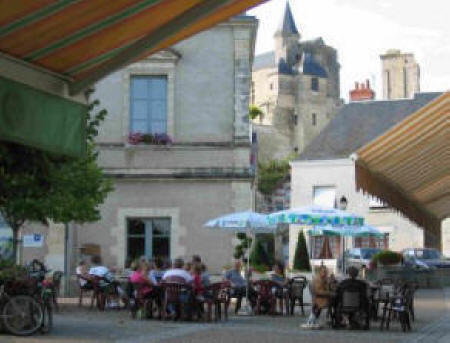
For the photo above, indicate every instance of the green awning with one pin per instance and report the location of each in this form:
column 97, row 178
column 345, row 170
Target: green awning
column 35, row 118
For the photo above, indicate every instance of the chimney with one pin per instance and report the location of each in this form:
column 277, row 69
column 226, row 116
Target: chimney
column 362, row 92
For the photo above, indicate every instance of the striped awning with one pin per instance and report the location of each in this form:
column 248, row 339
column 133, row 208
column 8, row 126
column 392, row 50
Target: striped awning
column 84, row 40
column 408, row 166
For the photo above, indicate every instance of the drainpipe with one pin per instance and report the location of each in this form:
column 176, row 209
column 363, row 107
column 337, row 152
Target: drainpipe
column 66, row 260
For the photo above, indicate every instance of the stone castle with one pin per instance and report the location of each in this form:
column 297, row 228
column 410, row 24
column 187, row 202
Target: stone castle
column 297, row 88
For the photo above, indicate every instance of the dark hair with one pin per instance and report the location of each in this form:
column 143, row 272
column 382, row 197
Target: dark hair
column 178, row 263
column 96, row 259
column 158, row 263
column 196, row 259
column 82, row 263
column 203, row 267
column 280, row 265
column 353, row 272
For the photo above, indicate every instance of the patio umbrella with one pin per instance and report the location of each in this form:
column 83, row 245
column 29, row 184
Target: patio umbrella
column 315, row 216
column 246, row 222
column 349, row 231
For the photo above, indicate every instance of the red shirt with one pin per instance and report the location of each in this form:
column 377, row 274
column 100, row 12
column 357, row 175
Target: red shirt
column 197, row 284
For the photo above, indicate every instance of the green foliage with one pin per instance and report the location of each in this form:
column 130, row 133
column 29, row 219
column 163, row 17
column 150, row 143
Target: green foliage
column 258, row 255
column 386, row 257
column 271, row 173
column 301, row 258
column 261, row 268
column 254, row 112
column 37, row 185
column 9, row 271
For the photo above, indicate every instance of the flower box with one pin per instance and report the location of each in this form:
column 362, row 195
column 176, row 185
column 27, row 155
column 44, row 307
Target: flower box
column 137, row 138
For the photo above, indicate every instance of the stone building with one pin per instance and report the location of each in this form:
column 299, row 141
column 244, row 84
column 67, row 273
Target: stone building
column 297, row 88
column 325, row 172
column 400, row 75
column 196, row 93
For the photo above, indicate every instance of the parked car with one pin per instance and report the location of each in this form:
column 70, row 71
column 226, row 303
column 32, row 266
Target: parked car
column 359, row 257
column 424, row 258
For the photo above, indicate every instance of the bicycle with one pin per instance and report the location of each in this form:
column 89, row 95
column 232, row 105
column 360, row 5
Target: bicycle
column 43, row 293
column 21, row 315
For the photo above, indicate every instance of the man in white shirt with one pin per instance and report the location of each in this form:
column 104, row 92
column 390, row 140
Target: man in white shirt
column 98, row 270
column 107, row 282
column 177, row 272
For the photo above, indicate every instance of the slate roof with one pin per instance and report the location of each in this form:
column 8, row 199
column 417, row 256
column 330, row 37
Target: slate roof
column 265, row 60
column 358, row 123
column 287, row 25
column 312, row 67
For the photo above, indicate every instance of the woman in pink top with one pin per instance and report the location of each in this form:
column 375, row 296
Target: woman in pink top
column 140, row 278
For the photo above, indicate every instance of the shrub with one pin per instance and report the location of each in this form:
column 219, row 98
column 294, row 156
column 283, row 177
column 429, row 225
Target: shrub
column 260, row 268
column 258, row 255
column 254, row 112
column 301, row 258
column 386, row 257
column 9, row 271
column 270, row 175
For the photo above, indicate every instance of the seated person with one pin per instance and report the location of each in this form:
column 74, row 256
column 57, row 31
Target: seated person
column 107, row 283
column 238, row 285
column 321, row 296
column 180, row 275
column 355, row 284
column 205, row 275
column 279, row 279
column 84, row 277
column 156, row 274
column 177, row 273
column 140, row 278
column 197, row 282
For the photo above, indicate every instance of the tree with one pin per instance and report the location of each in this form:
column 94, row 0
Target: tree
column 40, row 186
column 258, row 255
column 301, row 258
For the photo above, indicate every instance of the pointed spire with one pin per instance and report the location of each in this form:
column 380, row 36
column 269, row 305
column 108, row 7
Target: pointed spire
column 287, row 25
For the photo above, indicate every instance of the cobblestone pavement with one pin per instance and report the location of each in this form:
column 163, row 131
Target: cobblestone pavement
column 78, row 326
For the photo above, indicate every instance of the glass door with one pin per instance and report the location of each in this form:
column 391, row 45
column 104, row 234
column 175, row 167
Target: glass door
column 149, row 237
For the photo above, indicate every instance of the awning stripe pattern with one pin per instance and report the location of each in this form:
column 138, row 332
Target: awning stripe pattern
column 409, row 165
column 74, row 38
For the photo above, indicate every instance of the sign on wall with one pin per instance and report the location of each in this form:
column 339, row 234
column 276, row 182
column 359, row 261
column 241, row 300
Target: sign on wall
column 35, row 240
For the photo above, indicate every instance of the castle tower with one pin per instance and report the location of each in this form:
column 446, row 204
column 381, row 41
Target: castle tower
column 401, row 75
column 286, row 42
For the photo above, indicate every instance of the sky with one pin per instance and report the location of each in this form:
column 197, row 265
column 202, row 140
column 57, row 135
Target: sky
column 361, row 30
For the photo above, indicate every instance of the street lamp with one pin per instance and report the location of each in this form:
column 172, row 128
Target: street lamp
column 343, row 202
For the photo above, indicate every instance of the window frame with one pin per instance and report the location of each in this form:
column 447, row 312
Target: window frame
column 315, row 86
column 148, row 235
column 149, row 67
column 150, row 117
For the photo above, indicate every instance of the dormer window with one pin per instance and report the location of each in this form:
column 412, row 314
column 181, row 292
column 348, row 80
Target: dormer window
column 315, row 84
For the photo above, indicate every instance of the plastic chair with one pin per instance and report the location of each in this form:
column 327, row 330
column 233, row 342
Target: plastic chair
column 178, row 295
column 216, row 295
column 265, row 295
column 296, row 290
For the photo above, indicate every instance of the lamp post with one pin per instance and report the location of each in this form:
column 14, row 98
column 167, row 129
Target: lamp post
column 343, row 202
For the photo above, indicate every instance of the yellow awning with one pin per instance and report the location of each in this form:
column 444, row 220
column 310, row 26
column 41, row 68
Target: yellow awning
column 408, row 167
column 83, row 41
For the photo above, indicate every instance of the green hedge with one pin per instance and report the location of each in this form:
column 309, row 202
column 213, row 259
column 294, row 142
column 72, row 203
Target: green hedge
column 386, row 257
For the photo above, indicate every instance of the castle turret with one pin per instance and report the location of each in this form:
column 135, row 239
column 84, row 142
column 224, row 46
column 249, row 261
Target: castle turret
column 286, row 42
